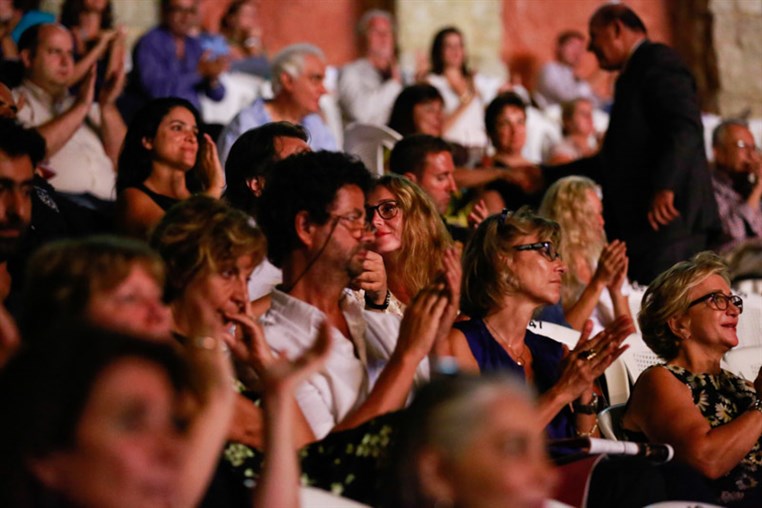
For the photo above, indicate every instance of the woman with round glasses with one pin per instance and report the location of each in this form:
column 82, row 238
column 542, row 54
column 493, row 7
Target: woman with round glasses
column 711, row 417
column 409, row 234
column 511, row 268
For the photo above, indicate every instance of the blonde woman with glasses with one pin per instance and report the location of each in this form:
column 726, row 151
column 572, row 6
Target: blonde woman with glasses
column 711, row 417
column 511, row 268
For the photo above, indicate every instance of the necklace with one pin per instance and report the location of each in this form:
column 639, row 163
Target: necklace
column 519, row 359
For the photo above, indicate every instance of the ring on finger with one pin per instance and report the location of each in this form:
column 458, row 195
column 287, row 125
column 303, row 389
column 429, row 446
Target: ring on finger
column 588, row 354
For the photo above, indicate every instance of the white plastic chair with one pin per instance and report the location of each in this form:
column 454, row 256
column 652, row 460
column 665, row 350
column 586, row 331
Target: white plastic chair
column 368, row 142
column 616, row 375
column 750, row 322
column 618, row 382
column 638, row 357
column 744, row 361
column 563, row 334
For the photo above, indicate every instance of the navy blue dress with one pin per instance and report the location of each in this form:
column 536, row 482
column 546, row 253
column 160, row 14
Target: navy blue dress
column 547, row 355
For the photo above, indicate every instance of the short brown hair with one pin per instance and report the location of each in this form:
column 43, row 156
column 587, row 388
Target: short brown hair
column 667, row 296
column 203, row 234
column 63, row 276
column 486, row 279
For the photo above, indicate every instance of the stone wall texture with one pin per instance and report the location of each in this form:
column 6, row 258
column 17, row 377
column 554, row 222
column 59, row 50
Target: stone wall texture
column 738, row 43
column 513, row 36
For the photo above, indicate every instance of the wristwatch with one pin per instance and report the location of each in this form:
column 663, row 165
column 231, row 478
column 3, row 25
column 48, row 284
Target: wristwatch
column 370, row 304
column 587, row 409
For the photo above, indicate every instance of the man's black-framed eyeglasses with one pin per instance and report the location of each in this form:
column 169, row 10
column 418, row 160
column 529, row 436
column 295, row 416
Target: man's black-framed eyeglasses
column 547, row 248
column 720, row 301
column 387, row 210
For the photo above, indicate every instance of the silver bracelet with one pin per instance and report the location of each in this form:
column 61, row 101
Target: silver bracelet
column 756, row 405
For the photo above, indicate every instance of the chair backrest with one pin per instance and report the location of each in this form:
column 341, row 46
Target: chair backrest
column 368, row 142
column 616, row 375
column 750, row 322
column 563, row 334
column 744, row 361
column 610, row 422
column 638, row 357
column 617, row 382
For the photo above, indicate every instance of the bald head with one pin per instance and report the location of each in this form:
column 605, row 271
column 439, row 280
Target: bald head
column 614, row 31
column 47, row 54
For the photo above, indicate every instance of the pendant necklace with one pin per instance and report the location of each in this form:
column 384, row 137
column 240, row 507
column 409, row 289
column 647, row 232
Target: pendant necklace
column 519, row 359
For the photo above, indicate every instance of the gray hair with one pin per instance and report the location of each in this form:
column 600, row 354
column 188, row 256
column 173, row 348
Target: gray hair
column 367, row 17
column 719, row 132
column 291, row 61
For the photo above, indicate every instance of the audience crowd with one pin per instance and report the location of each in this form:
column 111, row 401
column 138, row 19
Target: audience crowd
column 197, row 314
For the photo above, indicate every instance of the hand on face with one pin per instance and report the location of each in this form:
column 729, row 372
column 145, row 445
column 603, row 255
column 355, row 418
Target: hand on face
column 373, row 277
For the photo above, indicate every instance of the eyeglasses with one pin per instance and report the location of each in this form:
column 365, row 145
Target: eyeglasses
column 720, row 301
column 355, row 222
column 547, row 248
column 742, row 145
column 387, row 210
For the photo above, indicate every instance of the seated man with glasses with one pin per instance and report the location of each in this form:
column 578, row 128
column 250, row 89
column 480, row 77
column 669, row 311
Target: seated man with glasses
column 737, row 182
column 312, row 211
column 711, row 417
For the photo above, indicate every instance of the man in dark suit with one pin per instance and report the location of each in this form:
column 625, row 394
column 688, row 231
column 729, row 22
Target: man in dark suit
column 657, row 191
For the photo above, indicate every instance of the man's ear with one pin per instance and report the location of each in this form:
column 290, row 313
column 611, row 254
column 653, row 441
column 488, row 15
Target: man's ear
column 304, row 228
column 47, row 470
column 286, row 81
column 26, row 58
column 411, row 177
column 147, row 143
column 256, row 186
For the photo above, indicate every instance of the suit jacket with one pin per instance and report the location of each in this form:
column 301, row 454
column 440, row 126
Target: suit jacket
column 654, row 142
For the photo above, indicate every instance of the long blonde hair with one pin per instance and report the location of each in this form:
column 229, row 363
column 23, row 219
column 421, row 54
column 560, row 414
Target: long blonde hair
column 418, row 261
column 566, row 202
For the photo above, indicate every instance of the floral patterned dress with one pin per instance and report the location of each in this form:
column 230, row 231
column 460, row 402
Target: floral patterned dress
column 722, row 398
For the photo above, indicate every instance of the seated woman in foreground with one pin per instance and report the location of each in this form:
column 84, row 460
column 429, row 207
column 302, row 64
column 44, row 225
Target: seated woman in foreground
column 711, row 417
column 511, row 268
column 471, row 442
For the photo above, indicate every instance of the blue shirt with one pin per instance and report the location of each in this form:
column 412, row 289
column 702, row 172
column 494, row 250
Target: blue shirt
column 161, row 74
column 256, row 115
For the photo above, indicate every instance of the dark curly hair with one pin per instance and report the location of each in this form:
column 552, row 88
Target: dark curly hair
column 304, row 182
column 251, row 156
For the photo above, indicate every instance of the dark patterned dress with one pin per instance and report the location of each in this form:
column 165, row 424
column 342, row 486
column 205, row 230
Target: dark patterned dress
column 721, row 398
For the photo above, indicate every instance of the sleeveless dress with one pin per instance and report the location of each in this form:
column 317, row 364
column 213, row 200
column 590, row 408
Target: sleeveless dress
column 547, row 355
column 721, row 398
column 163, row 202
